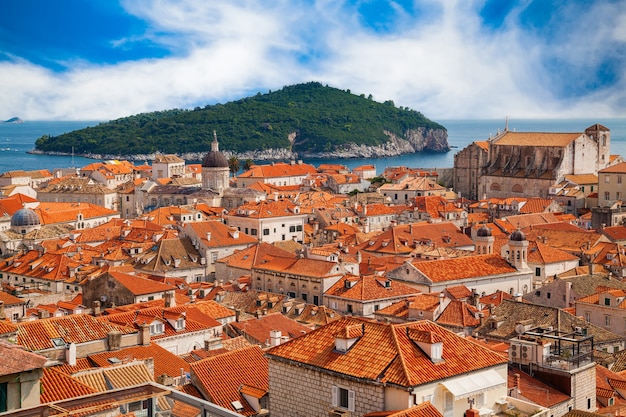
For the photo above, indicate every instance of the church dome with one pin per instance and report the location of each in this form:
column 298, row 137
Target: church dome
column 25, row 217
column 517, row 236
column 215, row 159
column 484, row 232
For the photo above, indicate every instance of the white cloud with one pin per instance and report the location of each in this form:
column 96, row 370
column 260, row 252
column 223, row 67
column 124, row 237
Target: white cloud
column 223, row 50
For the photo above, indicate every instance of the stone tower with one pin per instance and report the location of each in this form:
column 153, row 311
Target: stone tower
column 518, row 250
column 215, row 169
column 484, row 241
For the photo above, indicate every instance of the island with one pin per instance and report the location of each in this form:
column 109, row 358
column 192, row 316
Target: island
column 14, row 120
column 307, row 120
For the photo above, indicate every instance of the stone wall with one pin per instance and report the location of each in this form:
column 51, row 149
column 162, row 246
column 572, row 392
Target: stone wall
column 297, row 391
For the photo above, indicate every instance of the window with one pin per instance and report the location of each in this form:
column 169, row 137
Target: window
column 156, row 328
column 548, row 295
column 588, row 317
column 266, row 232
column 253, row 232
column 607, row 195
column 3, row 396
column 607, row 320
column 343, row 398
column 607, row 301
column 213, row 257
column 618, row 195
column 606, row 179
column 292, row 229
column 619, row 179
column 349, row 308
column 537, row 272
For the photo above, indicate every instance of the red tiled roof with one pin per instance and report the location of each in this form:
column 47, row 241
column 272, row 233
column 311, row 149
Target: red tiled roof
column 441, row 270
column 260, row 328
column 75, row 328
column 16, row 359
column 369, row 287
column 385, row 353
column 57, row 385
column 222, row 376
column 165, row 362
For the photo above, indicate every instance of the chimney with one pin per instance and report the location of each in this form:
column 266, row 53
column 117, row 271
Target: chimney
column 114, row 340
column 208, row 236
column 96, row 308
column 275, row 336
column 170, row 299
column 70, row 354
column 145, row 334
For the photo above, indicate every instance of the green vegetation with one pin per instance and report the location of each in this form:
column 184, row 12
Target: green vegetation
column 322, row 118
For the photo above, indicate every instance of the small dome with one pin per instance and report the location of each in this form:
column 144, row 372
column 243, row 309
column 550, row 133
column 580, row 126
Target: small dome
column 517, row 236
column 214, row 160
column 25, row 218
column 484, row 232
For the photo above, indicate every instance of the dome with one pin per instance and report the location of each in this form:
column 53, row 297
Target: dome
column 215, row 159
column 25, row 218
column 484, row 232
column 517, row 236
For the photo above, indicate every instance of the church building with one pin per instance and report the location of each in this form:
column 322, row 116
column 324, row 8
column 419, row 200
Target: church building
column 528, row 163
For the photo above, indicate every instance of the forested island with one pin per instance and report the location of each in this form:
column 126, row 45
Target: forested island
column 305, row 120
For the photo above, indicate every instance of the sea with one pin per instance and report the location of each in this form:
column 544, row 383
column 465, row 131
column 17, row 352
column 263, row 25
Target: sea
column 17, row 139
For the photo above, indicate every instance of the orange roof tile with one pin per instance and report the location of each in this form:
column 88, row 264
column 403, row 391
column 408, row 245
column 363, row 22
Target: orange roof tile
column 386, row 353
column 221, row 377
column 536, row 139
column 57, row 386
column 165, row 362
column 369, row 287
column 461, row 268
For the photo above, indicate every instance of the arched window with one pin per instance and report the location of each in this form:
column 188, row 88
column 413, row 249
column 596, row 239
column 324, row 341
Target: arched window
column 517, row 188
column 495, row 187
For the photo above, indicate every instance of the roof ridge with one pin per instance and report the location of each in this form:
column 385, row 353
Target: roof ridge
column 399, row 355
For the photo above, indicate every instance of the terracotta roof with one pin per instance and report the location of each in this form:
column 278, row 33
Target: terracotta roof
column 615, row 169
column 138, row 285
column 75, row 328
column 165, row 362
column 550, row 139
column 459, row 314
column 120, row 376
column 368, row 287
column 441, row 270
column 386, row 353
column 10, row 300
column 534, row 390
column 277, row 170
column 259, row 329
column 221, row 234
column 425, row 409
column 221, row 377
column 57, row 385
column 16, row 359
column 544, row 254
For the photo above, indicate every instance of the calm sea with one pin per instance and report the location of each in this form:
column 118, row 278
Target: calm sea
column 17, row 139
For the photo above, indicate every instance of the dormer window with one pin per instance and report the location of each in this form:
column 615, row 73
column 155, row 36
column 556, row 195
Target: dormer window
column 156, row 328
column 180, row 324
column 347, row 337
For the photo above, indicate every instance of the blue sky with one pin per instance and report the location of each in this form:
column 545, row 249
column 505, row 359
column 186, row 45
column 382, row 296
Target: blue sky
column 104, row 59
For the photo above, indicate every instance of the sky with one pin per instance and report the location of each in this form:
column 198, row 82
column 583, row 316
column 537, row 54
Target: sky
column 449, row 59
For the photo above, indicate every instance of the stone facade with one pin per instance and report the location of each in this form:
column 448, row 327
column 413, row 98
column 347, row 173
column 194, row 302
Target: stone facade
column 298, row 391
column 528, row 164
column 467, row 164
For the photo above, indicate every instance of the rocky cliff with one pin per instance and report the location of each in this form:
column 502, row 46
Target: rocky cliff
column 418, row 140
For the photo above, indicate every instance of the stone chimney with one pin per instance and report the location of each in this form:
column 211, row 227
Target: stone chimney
column 145, row 334
column 170, row 299
column 96, row 308
column 114, row 340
